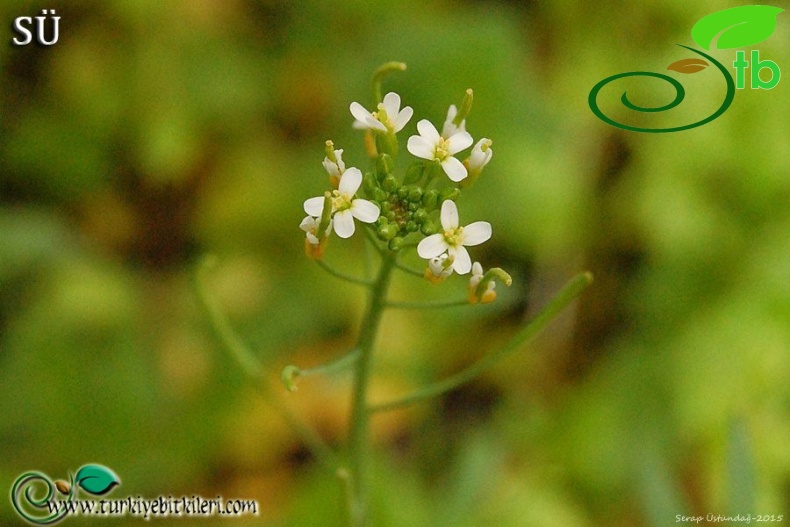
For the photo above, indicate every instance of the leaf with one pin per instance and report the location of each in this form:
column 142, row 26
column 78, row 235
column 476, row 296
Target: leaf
column 96, row 479
column 736, row 27
column 688, row 65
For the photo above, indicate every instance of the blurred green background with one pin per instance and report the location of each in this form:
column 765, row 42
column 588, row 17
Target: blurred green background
column 153, row 133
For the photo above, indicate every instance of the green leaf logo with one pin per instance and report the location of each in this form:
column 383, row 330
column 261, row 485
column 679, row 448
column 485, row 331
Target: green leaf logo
column 96, row 479
column 736, row 27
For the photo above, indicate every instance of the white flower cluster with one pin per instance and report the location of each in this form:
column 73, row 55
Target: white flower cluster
column 399, row 209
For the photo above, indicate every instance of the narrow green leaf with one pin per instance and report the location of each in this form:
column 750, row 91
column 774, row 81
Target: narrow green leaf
column 96, row 479
column 736, row 27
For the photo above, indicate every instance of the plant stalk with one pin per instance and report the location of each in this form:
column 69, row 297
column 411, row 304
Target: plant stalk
column 359, row 432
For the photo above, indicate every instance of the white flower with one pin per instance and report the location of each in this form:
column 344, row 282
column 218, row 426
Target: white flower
column 439, row 268
column 335, row 169
column 449, row 127
column 432, row 146
column 454, row 239
column 480, row 156
column 388, row 116
column 474, row 281
column 310, row 226
column 344, row 207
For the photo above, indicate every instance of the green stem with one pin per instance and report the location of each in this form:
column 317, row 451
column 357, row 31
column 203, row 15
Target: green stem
column 358, row 439
column 569, row 292
column 337, row 274
column 439, row 304
column 253, row 369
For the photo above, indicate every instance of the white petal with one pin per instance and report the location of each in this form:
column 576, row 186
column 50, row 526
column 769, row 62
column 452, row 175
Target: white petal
column 350, row 182
column 403, row 117
column 312, row 239
column 308, row 224
column 454, row 169
column 476, row 233
column 365, row 118
column 359, row 112
column 449, row 215
column 428, row 131
column 477, row 270
column 391, row 104
column 432, row 246
column 330, row 167
column 462, row 263
column 344, row 223
column 459, row 141
column 417, row 146
column 314, row 206
column 449, row 128
column 364, row 210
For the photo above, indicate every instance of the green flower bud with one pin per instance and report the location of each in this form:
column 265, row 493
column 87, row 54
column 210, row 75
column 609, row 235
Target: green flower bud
column 411, row 226
column 430, row 199
column 379, row 195
column 429, row 228
column 396, row 243
column 403, row 192
column 415, row 194
column 381, row 221
column 390, row 184
column 387, row 232
column 413, row 206
column 391, row 216
column 450, row 193
column 414, row 173
column 386, row 207
column 384, row 164
column 420, row 215
column 369, row 183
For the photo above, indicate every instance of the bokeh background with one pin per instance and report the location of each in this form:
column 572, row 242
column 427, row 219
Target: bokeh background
column 154, row 133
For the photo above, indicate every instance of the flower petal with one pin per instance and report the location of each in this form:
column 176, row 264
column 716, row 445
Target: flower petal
column 365, row 118
column 402, row 118
column 449, row 215
column 462, row 263
column 314, row 206
column 344, row 223
column 459, row 141
column 454, row 169
column 350, row 181
column 476, row 233
column 449, row 128
column 432, row 246
column 419, row 147
column 364, row 210
column 391, row 104
column 428, row 131
column 308, row 223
